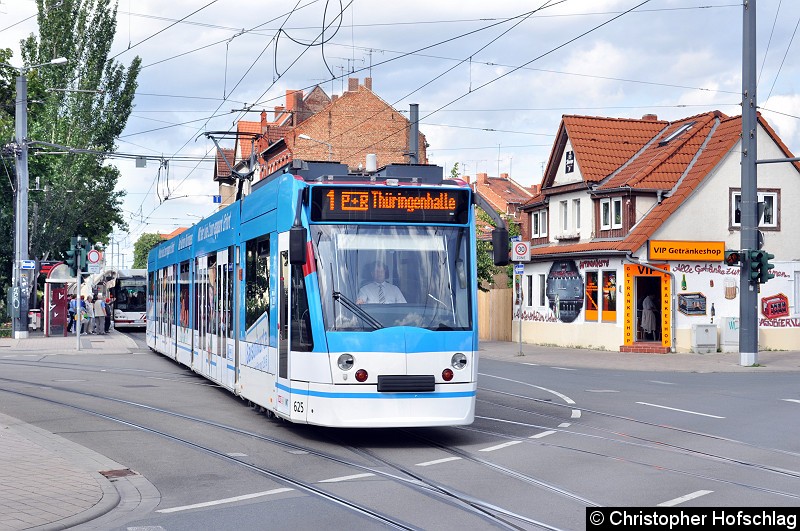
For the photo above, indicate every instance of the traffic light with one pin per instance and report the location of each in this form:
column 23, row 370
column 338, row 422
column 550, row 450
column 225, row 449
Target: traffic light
column 755, row 264
column 732, row 258
column 766, row 266
column 72, row 257
column 82, row 259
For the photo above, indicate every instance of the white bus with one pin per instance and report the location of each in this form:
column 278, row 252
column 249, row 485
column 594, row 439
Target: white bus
column 130, row 292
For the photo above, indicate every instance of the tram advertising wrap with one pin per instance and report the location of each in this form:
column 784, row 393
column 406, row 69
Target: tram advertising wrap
column 344, row 305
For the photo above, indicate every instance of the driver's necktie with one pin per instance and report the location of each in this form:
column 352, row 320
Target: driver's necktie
column 381, row 296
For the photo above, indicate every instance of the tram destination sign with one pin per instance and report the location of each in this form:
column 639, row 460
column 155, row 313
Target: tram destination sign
column 413, row 205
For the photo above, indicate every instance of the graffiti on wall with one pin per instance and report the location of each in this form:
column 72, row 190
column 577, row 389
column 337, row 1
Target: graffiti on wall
column 565, row 290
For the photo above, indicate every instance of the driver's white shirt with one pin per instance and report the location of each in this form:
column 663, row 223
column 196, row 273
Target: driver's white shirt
column 370, row 293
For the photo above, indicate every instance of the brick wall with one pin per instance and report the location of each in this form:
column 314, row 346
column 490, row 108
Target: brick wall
column 355, row 124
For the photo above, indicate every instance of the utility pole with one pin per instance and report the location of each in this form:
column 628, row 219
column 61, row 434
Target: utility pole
column 21, row 279
column 748, row 289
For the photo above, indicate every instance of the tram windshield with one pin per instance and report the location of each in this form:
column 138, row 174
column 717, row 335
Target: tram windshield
column 374, row 276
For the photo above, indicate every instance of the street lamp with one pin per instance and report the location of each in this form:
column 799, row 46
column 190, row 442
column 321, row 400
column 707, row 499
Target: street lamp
column 21, row 282
column 330, row 147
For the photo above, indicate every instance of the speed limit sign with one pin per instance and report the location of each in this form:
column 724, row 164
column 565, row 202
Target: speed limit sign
column 520, row 252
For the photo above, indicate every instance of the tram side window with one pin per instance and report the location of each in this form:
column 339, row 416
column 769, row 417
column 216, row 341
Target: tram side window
column 212, row 300
column 184, row 294
column 257, row 273
column 228, row 315
column 301, row 319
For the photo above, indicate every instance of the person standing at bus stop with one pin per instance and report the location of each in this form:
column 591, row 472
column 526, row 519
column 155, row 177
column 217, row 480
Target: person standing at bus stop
column 99, row 315
column 109, row 310
column 72, row 309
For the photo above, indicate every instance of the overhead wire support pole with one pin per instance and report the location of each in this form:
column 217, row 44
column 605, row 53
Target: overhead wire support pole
column 748, row 294
column 20, row 284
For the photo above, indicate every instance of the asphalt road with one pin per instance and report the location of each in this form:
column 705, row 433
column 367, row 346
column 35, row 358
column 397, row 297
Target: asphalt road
column 547, row 443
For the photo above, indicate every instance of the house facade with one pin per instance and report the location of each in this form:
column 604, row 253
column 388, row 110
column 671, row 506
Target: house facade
column 315, row 127
column 628, row 232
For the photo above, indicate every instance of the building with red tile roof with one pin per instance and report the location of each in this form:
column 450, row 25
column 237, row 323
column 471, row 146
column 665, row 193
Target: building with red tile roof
column 504, row 194
column 342, row 128
column 617, row 191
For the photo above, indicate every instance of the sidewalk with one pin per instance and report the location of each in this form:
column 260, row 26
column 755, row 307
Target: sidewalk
column 49, row 482
column 768, row 361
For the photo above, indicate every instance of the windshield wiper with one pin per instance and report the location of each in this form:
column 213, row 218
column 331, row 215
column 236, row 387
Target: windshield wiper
column 353, row 307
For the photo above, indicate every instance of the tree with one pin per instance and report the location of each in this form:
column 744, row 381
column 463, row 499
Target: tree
column 76, row 193
column 143, row 246
column 486, row 270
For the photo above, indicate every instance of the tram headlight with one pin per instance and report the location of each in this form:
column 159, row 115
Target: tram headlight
column 458, row 361
column 345, row 362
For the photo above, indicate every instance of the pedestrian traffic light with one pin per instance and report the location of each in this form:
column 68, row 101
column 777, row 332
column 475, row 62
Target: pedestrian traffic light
column 732, row 258
column 766, row 266
column 72, row 257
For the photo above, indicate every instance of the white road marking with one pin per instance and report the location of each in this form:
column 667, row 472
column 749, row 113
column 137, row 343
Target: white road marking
column 676, row 501
column 662, row 383
column 226, row 500
column 532, row 364
column 543, row 434
column 563, row 369
column 499, row 446
column 576, row 413
column 601, row 391
column 346, row 478
column 236, row 454
column 681, row 410
column 565, row 425
column 437, row 461
column 565, row 398
column 790, row 400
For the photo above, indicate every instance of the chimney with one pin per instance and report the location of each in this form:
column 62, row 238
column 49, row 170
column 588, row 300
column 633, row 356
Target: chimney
column 650, row 118
column 413, row 134
column 536, row 188
column 352, row 84
column 334, row 98
column 482, row 178
column 504, row 176
column 368, row 82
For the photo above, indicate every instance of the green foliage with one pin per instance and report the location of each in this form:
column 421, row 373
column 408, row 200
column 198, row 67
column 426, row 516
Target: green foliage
column 142, row 247
column 485, row 257
column 76, row 193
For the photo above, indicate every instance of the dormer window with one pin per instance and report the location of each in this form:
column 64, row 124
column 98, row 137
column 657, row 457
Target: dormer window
column 611, row 213
column 539, row 223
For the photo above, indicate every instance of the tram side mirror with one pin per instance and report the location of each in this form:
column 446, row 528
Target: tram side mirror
column 500, row 246
column 297, row 245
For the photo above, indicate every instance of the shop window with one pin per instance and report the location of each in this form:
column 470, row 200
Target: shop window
column 609, row 314
column 591, row 296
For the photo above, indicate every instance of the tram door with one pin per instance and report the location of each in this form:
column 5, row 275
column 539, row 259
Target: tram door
column 224, row 347
column 283, row 397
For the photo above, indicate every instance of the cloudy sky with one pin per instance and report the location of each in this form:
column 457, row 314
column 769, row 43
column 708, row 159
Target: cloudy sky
column 492, row 79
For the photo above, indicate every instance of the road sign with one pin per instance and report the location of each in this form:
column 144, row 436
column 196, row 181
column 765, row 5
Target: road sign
column 519, row 269
column 27, row 264
column 94, row 256
column 520, row 252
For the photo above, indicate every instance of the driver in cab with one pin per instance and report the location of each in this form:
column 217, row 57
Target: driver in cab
column 379, row 291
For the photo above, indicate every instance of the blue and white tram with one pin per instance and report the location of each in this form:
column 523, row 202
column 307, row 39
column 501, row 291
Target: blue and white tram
column 263, row 296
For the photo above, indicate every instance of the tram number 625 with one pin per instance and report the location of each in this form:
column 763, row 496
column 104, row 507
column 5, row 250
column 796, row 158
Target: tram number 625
column 298, row 407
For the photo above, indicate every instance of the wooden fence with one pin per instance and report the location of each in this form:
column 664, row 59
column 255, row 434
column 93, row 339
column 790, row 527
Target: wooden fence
column 494, row 314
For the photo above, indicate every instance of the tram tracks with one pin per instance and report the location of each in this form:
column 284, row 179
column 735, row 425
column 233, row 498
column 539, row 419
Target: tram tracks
column 616, row 437
column 492, row 513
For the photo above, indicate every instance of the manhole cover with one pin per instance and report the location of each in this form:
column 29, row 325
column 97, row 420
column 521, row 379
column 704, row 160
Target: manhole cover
column 121, row 473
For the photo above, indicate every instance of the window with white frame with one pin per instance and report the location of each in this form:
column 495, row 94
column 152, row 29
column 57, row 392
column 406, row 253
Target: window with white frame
column 611, row 213
column 539, row 223
column 576, row 208
column 564, row 214
column 770, row 216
